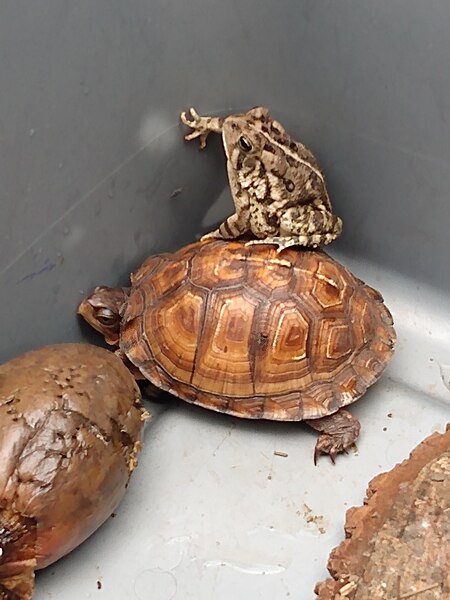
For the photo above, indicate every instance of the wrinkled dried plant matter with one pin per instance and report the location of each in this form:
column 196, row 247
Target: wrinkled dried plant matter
column 71, row 423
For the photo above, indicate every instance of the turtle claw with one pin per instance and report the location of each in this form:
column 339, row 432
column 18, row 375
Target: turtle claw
column 318, row 452
column 338, row 432
column 327, row 444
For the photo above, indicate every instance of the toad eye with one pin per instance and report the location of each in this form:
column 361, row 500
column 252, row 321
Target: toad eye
column 105, row 316
column 244, row 144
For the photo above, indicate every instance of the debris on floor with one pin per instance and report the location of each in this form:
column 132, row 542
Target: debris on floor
column 317, row 520
column 279, row 453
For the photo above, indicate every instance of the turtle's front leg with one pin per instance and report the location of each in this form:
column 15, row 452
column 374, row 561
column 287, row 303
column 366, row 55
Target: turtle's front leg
column 337, row 433
column 202, row 126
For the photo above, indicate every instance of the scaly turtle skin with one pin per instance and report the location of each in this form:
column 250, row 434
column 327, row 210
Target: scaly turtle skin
column 238, row 330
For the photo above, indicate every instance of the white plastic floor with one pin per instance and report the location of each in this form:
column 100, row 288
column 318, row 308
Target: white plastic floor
column 212, row 512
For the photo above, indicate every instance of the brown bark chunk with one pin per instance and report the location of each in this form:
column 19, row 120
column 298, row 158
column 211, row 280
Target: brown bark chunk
column 398, row 542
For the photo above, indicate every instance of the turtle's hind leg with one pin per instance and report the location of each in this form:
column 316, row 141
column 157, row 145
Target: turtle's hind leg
column 337, row 433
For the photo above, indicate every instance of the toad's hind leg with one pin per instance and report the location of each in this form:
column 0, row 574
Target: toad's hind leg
column 310, row 221
column 337, row 433
column 309, row 226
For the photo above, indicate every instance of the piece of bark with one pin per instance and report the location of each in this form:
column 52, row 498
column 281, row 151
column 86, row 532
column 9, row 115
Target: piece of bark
column 398, row 542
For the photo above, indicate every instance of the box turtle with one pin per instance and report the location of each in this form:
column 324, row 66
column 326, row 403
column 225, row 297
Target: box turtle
column 238, row 330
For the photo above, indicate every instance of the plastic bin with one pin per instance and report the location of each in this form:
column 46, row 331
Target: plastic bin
column 95, row 177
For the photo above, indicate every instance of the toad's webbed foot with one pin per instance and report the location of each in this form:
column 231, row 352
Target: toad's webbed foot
column 212, row 235
column 202, row 126
column 284, row 242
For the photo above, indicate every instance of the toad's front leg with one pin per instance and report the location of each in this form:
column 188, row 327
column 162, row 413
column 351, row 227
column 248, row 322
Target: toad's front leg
column 202, row 126
column 233, row 227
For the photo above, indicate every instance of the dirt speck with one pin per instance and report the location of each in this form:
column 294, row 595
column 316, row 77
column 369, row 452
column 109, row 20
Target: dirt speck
column 262, row 340
column 311, row 518
column 176, row 192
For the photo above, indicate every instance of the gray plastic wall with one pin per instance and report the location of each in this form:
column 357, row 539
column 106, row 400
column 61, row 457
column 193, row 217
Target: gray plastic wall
column 95, row 175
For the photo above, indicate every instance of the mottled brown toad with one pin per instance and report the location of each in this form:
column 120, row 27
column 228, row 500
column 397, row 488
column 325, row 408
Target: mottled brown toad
column 277, row 185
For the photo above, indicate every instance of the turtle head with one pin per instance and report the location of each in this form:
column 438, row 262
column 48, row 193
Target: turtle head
column 103, row 311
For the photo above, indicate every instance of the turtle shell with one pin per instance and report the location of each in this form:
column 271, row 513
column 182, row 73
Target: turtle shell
column 242, row 330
